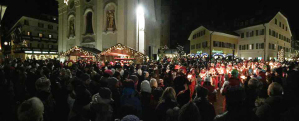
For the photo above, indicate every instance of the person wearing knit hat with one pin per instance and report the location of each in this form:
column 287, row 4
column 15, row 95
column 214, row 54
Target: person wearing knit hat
column 235, row 73
column 145, row 86
column 108, row 72
column 130, row 118
column 146, row 99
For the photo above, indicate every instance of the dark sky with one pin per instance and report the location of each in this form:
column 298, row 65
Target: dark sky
column 186, row 15
column 17, row 8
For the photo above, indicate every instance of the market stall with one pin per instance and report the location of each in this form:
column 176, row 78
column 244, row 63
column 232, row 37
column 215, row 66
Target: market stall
column 122, row 53
column 80, row 53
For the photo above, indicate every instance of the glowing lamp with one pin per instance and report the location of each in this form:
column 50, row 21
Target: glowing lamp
column 243, row 77
column 189, row 76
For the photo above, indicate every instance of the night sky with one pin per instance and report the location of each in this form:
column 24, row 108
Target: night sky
column 186, row 15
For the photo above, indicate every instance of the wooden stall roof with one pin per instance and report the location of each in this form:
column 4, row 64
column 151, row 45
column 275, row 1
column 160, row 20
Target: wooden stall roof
column 121, row 50
column 84, row 50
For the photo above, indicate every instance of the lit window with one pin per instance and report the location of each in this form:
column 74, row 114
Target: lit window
column 50, row 36
column 40, row 35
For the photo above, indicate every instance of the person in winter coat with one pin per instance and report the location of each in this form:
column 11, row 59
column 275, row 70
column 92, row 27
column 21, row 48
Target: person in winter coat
column 189, row 112
column 130, row 96
column 101, row 105
column 31, row 110
column 81, row 108
column 167, row 101
column 206, row 109
column 44, row 94
column 145, row 97
column 184, row 96
column 252, row 90
column 233, row 81
column 274, row 106
column 235, row 109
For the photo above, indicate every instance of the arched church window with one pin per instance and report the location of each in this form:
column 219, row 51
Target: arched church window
column 89, row 28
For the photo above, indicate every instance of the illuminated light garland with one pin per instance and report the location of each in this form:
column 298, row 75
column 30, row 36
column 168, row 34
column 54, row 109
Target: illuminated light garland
column 76, row 48
column 122, row 47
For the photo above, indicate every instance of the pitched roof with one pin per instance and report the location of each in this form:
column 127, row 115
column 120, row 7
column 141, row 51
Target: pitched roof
column 258, row 18
column 224, row 29
column 91, row 50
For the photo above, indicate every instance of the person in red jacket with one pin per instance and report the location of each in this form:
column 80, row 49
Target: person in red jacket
column 232, row 82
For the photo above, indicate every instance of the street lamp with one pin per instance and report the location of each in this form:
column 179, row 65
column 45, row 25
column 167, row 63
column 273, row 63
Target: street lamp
column 5, row 43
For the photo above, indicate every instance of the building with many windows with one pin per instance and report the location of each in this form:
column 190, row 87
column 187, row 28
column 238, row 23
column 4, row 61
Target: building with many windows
column 34, row 37
column 222, row 43
column 102, row 24
column 263, row 37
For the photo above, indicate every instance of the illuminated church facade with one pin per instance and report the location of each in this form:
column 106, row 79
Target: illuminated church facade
column 101, row 24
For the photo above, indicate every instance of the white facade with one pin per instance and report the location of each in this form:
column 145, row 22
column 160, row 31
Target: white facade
column 269, row 37
column 113, row 21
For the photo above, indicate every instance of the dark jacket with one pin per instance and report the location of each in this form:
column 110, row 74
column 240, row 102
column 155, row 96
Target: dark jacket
column 272, row 109
column 49, row 104
column 162, row 109
column 131, row 97
column 183, row 97
column 206, row 109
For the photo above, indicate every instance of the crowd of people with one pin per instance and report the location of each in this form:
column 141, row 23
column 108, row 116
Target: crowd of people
column 182, row 89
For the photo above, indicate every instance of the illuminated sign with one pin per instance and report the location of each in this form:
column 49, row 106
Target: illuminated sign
column 217, row 51
column 28, row 51
column 37, row 52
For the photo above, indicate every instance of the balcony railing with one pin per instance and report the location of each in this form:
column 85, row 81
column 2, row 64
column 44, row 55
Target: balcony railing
column 37, row 38
column 22, row 49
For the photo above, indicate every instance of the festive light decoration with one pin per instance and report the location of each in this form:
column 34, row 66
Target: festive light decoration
column 281, row 55
column 119, row 46
column 76, row 48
